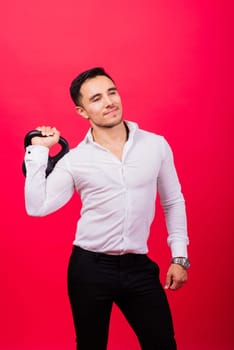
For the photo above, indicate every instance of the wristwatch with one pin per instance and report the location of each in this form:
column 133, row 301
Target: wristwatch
column 184, row 262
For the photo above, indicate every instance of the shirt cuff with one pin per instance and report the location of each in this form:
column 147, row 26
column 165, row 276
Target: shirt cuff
column 179, row 249
column 36, row 153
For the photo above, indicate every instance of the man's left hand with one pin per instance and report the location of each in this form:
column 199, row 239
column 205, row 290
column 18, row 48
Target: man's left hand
column 176, row 277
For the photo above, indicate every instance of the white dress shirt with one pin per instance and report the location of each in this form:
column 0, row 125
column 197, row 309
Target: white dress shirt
column 118, row 196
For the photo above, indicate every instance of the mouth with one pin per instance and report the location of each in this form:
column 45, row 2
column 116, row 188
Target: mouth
column 111, row 111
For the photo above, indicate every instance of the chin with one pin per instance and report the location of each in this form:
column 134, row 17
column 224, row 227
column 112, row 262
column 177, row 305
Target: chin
column 114, row 123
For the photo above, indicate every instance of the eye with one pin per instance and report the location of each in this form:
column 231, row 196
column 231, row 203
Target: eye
column 113, row 92
column 96, row 99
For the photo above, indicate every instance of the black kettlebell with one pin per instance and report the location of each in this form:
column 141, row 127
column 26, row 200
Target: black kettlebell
column 51, row 160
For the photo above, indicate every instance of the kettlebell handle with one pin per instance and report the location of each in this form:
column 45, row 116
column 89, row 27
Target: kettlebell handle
column 51, row 160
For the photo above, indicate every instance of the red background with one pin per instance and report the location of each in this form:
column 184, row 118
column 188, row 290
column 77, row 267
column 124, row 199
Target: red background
column 173, row 64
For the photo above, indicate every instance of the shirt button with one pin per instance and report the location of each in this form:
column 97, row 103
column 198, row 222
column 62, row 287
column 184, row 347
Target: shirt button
column 29, row 152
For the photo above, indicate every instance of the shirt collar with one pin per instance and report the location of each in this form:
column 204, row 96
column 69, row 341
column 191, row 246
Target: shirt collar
column 131, row 126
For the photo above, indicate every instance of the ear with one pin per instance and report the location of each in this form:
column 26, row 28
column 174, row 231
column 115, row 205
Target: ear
column 82, row 112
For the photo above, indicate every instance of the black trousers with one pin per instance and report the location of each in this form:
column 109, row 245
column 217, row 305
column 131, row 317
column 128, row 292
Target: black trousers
column 131, row 281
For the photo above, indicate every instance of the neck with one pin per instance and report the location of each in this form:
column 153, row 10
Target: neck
column 117, row 134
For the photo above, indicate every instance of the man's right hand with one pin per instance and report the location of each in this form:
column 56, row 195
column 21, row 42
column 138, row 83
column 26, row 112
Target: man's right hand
column 52, row 136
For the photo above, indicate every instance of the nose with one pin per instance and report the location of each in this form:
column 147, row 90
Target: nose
column 107, row 101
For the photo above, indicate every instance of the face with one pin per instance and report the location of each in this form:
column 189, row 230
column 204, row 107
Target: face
column 100, row 102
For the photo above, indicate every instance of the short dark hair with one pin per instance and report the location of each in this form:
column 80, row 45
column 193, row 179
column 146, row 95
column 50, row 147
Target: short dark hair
column 81, row 78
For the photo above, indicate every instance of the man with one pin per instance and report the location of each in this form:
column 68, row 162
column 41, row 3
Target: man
column 117, row 170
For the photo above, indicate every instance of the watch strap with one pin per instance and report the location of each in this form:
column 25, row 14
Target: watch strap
column 183, row 261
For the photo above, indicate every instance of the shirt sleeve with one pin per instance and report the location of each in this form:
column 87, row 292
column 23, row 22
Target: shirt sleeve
column 173, row 204
column 45, row 195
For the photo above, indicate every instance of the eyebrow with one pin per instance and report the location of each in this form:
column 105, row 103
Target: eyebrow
column 98, row 95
